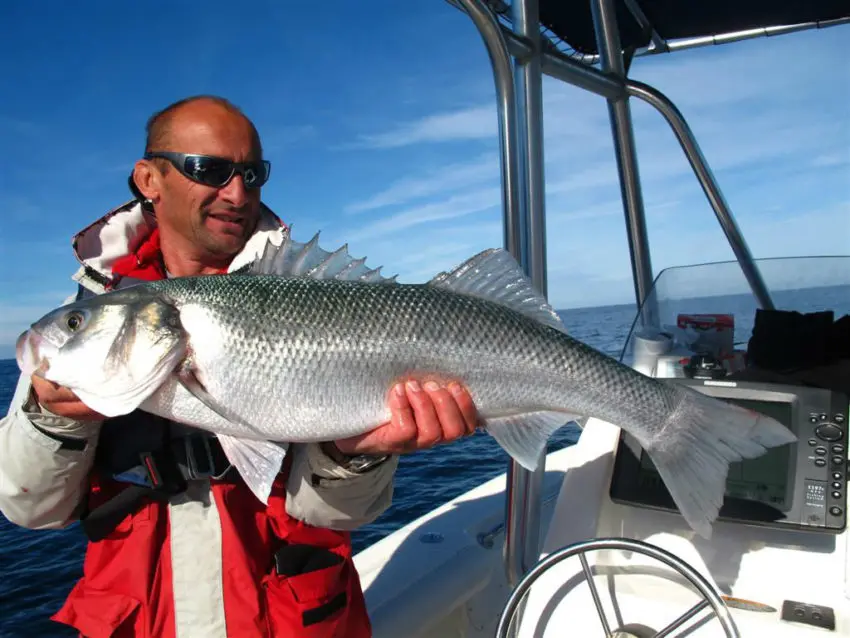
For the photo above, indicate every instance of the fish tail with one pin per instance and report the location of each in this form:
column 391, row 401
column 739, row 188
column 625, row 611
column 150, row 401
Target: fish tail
column 694, row 448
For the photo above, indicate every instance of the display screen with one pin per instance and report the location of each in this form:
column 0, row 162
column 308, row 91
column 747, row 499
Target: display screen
column 764, row 479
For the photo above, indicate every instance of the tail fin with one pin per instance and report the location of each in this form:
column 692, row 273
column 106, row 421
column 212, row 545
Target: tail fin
column 694, row 449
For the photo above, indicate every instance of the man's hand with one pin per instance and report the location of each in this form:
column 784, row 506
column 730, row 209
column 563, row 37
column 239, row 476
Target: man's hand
column 422, row 417
column 62, row 401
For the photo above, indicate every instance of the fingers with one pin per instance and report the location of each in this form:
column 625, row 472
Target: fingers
column 428, row 424
column 49, row 392
column 466, row 406
column 443, row 414
column 62, row 401
column 449, row 419
column 396, row 437
column 421, row 416
column 403, row 427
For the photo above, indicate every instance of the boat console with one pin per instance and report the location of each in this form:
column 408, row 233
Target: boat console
column 800, row 486
column 779, row 553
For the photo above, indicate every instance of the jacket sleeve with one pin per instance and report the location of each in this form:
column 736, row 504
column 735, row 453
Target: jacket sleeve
column 44, row 462
column 321, row 493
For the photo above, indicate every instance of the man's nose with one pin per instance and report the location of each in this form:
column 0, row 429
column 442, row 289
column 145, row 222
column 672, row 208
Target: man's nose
column 235, row 191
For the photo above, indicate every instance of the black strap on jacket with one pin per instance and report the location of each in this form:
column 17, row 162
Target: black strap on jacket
column 138, row 449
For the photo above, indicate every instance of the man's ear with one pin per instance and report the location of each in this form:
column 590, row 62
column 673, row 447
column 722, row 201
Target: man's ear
column 148, row 180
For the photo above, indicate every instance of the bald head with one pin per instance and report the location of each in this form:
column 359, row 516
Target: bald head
column 163, row 126
column 202, row 226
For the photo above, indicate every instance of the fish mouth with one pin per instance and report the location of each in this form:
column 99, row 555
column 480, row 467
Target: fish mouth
column 30, row 352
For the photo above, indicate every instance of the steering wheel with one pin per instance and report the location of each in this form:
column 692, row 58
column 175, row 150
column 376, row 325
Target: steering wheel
column 709, row 596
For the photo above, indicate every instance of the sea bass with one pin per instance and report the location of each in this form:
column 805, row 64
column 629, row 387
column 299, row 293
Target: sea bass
column 296, row 348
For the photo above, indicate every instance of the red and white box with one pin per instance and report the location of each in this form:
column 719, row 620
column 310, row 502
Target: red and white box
column 716, row 332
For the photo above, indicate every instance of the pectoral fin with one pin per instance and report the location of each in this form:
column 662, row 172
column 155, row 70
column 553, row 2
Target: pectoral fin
column 257, row 461
column 189, row 380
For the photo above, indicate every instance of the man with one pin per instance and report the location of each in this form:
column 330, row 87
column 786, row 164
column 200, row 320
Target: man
column 179, row 545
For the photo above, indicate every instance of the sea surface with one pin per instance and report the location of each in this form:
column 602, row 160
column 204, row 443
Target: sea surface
column 38, row 568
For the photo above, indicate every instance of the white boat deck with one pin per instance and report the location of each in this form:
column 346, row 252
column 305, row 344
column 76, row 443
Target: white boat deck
column 434, row 577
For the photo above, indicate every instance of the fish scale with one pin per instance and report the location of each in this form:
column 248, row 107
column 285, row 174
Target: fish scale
column 360, row 338
column 265, row 360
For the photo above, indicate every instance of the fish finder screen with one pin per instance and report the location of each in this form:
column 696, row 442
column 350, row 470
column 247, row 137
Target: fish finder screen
column 764, row 479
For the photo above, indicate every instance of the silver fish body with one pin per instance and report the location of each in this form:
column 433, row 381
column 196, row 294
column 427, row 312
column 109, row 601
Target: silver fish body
column 310, row 360
column 268, row 358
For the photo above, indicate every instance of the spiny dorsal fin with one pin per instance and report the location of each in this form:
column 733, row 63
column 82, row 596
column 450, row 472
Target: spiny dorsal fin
column 496, row 276
column 294, row 259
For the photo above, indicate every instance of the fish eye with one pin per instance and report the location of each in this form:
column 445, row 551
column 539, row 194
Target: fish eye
column 74, row 320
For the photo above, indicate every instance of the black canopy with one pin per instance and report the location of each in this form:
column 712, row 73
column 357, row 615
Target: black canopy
column 570, row 20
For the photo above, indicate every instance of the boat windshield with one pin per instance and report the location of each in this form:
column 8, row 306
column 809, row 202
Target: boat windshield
column 803, row 284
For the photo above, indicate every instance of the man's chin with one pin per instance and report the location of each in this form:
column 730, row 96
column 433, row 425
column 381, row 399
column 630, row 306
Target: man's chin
column 224, row 245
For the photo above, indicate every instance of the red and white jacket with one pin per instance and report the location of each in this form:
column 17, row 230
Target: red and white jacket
column 202, row 563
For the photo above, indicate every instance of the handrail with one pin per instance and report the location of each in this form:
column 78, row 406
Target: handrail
column 620, row 114
column 523, row 190
column 500, row 59
column 523, row 488
column 674, row 117
column 522, row 513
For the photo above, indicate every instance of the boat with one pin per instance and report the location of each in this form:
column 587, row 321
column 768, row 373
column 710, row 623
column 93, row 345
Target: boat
column 590, row 544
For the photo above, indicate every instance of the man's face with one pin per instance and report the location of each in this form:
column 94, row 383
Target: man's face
column 216, row 221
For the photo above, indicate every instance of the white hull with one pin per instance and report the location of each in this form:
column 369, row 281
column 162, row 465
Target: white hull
column 457, row 587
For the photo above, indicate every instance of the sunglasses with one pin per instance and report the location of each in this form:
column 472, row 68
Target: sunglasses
column 215, row 171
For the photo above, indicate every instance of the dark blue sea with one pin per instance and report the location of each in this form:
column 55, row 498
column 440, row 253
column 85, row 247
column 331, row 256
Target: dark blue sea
column 38, row 568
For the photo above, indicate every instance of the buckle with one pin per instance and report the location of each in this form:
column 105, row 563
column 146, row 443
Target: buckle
column 201, row 459
column 156, row 471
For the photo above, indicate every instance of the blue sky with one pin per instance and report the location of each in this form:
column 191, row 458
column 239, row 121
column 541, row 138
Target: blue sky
column 380, row 123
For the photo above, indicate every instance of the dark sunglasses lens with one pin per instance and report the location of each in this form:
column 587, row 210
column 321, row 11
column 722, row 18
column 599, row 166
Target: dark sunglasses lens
column 215, row 171
column 208, row 170
column 255, row 175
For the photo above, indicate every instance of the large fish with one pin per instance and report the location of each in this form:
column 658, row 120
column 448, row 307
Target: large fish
column 310, row 352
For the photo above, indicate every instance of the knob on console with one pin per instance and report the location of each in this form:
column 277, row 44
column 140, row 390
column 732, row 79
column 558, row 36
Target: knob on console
column 828, row 432
column 704, row 366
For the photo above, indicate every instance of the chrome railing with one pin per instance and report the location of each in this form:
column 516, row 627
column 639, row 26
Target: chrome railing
column 518, row 60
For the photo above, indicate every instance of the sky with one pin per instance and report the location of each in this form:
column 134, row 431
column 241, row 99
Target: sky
column 380, row 121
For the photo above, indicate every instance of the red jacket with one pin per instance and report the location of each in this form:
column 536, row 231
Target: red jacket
column 155, row 576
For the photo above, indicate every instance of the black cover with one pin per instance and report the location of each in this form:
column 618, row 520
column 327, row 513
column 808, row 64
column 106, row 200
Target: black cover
column 571, row 21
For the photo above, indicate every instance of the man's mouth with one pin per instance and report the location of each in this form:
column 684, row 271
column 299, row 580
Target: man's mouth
column 230, row 218
column 227, row 222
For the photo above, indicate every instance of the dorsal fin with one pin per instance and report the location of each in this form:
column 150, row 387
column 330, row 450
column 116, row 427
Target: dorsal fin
column 496, row 276
column 294, row 259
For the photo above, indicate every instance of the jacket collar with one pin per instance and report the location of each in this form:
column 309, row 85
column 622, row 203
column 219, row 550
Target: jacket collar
column 123, row 229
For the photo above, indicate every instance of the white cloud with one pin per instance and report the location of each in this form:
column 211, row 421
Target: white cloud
column 444, row 180
column 16, row 126
column 455, row 206
column 277, row 139
column 19, row 208
column 767, row 152
column 475, row 122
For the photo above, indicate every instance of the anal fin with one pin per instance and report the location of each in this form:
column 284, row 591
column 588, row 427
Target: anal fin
column 524, row 436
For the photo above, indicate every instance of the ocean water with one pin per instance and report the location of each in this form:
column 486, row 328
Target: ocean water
column 38, row 568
